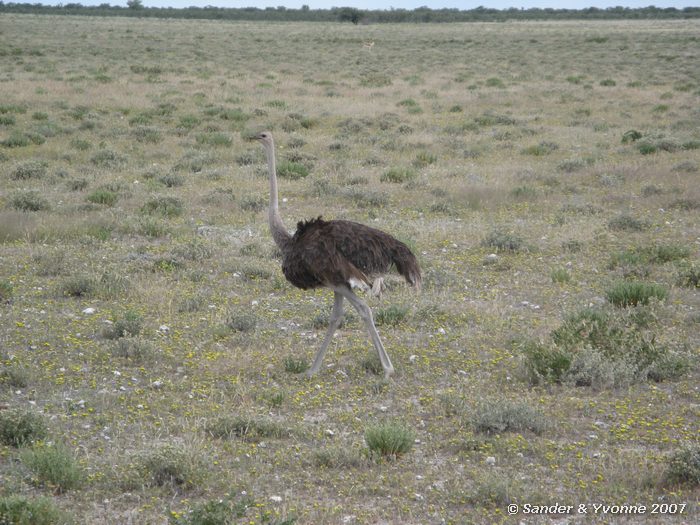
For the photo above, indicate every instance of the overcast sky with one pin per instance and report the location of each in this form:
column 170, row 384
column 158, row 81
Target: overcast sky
column 396, row 4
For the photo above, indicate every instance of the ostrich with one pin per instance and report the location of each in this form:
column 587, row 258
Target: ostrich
column 339, row 255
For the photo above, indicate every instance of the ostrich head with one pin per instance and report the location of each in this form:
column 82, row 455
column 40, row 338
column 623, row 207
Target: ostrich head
column 265, row 138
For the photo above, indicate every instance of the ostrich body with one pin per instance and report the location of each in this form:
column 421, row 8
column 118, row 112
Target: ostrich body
column 338, row 255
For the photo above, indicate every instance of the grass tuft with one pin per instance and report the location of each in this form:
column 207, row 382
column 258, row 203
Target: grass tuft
column 54, row 467
column 29, row 200
column 295, row 365
column 684, row 465
column 247, row 428
column 129, row 325
column 503, row 241
column 633, row 293
column 29, row 170
column 20, row 510
column 292, row 170
column 172, row 465
column 391, row 316
column 627, row 223
column 21, row 427
column 389, row 439
column 164, row 206
column 398, row 175
column 495, row 416
column 603, row 348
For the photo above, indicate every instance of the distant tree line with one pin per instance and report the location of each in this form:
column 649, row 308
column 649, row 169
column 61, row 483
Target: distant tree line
column 352, row 15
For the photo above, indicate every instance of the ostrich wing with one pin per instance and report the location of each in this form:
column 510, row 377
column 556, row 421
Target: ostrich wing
column 335, row 252
column 318, row 251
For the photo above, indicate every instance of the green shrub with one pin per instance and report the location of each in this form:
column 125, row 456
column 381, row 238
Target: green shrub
column 29, row 200
column 373, row 365
column 608, row 82
column 19, row 510
column 494, row 416
column 15, row 375
column 603, row 347
column 129, row 325
column 545, row 363
column 189, row 122
column 214, row 139
column 133, row 348
column 106, row 197
column 29, row 170
column 21, row 427
column 54, row 467
column 631, row 135
column 627, row 223
column 171, row 180
column 171, row 465
column 424, row 159
column 689, row 276
column 79, row 285
column 398, row 175
column 541, row 149
column 634, row 259
column 684, row 465
column 194, row 250
column 253, row 203
column 77, row 184
column 235, row 115
column 214, row 512
column 247, row 428
column 146, row 134
column 20, row 139
column 292, row 170
column 245, row 322
column 6, row 291
column 503, row 241
column 646, row 148
column 632, row 293
column 152, row 228
column 560, row 275
column 164, row 206
column 338, row 457
column 391, row 316
column 295, row 365
column 106, row 158
column 389, row 439
column 368, row 198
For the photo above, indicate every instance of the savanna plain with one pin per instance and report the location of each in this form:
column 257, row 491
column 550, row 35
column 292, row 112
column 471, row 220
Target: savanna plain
column 152, row 356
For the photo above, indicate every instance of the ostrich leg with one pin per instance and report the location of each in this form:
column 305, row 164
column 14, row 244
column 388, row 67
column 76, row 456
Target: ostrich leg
column 333, row 324
column 366, row 315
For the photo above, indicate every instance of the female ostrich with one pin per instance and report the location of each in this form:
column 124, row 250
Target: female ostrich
column 338, row 255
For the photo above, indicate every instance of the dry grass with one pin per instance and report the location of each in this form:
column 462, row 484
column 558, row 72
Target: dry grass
column 133, row 133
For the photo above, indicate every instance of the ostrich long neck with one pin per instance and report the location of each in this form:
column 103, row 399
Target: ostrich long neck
column 279, row 232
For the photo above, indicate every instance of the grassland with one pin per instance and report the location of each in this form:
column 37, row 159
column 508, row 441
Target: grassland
column 545, row 173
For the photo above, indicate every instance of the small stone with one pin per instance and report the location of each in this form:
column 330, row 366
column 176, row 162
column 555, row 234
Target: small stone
column 413, row 358
column 164, row 329
column 276, row 499
column 89, row 311
column 329, row 432
column 490, row 461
